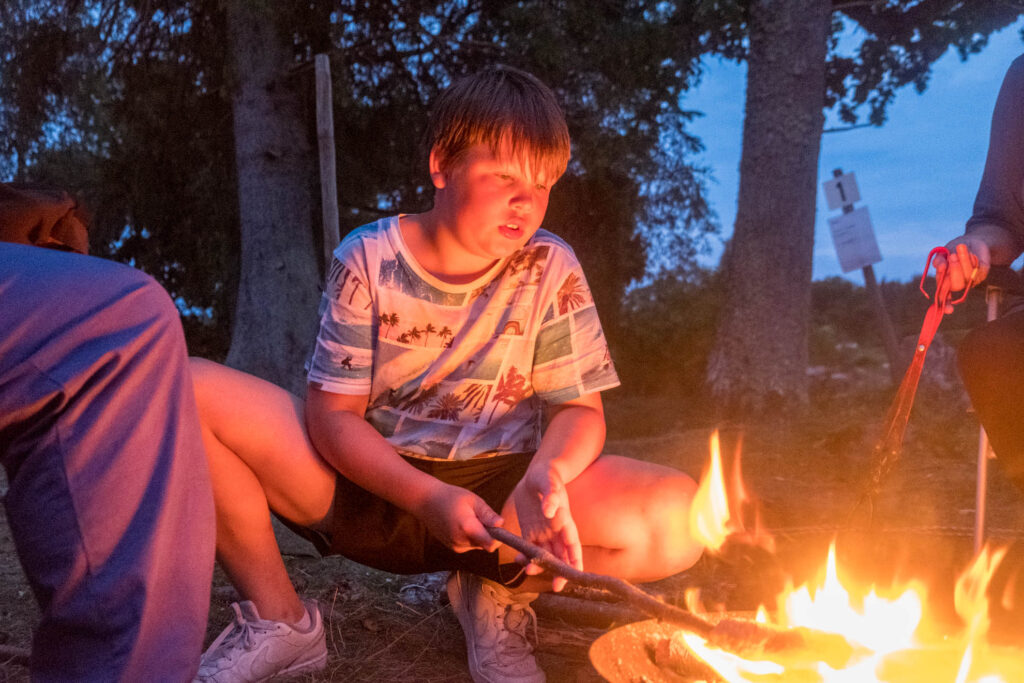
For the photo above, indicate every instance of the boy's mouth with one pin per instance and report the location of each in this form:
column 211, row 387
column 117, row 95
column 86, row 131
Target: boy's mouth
column 510, row 230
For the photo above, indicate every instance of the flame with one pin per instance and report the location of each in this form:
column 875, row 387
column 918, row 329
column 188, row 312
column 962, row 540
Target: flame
column 885, row 632
column 710, row 521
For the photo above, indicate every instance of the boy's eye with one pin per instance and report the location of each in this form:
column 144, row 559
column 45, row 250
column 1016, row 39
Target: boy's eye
column 542, row 187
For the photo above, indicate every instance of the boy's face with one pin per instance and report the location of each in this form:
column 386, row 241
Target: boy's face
column 491, row 204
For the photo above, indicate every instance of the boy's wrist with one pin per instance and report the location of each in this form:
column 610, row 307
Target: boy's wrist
column 540, row 471
column 422, row 501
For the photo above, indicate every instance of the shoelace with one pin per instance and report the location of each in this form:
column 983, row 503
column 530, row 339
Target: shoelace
column 515, row 618
column 244, row 632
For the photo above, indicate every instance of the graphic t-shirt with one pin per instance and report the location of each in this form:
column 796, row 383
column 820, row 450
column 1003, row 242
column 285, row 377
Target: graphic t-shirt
column 458, row 371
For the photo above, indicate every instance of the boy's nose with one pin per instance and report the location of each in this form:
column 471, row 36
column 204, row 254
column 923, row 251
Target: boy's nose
column 522, row 201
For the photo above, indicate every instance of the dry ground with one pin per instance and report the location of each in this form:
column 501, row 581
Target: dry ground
column 806, row 475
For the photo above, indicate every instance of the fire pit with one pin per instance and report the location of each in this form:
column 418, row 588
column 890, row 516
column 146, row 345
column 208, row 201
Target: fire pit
column 823, row 631
column 646, row 651
column 892, row 641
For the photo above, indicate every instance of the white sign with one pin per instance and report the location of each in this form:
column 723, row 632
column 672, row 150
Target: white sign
column 841, row 191
column 854, row 239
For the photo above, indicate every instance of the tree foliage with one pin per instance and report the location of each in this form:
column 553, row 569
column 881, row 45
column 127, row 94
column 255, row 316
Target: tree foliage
column 133, row 110
column 761, row 350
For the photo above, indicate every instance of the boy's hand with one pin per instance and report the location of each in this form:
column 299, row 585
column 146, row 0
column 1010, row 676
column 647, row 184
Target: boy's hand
column 542, row 505
column 457, row 517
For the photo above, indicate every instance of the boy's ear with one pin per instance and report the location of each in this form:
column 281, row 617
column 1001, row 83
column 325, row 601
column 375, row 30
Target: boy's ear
column 436, row 174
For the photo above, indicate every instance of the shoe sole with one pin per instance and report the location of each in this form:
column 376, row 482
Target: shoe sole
column 458, row 603
column 317, row 664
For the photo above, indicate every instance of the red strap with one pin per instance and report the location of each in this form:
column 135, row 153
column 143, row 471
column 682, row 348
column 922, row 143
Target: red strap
column 930, row 326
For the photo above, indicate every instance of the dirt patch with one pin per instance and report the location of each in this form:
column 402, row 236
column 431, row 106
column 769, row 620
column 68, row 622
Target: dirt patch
column 807, row 475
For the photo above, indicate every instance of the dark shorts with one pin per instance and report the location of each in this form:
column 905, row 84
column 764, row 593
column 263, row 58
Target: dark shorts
column 370, row 530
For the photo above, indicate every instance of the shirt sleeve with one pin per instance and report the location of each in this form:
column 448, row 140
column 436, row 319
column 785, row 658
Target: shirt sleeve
column 342, row 358
column 1000, row 199
column 571, row 355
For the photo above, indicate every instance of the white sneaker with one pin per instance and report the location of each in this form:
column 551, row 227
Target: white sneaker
column 495, row 621
column 253, row 649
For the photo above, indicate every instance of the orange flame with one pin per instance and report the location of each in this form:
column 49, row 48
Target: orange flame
column 710, row 521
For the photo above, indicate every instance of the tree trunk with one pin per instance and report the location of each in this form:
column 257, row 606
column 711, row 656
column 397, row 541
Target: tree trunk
column 759, row 361
column 275, row 315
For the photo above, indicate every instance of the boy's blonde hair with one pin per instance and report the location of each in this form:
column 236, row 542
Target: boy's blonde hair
column 509, row 110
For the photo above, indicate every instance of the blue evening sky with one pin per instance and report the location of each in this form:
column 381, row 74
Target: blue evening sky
column 917, row 174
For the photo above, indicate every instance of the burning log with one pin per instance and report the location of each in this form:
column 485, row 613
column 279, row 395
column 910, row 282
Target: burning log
column 748, row 639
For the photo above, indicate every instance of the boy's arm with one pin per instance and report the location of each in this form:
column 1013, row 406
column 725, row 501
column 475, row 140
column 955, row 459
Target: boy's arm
column 454, row 515
column 573, row 440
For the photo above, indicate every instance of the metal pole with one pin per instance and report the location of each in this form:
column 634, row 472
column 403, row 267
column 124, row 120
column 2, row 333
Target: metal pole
column 993, row 296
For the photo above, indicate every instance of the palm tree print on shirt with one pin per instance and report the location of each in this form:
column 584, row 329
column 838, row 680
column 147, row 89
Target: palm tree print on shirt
column 415, row 334
column 415, row 404
column 341, row 276
column 443, row 334
column 510, row 390
column 474, row 397
column 572, row 294
column 446, row 407
column 389, row 319
column 526, row 259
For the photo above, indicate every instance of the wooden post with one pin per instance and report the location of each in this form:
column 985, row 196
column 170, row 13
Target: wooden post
column 881, row 313
column 325, row 142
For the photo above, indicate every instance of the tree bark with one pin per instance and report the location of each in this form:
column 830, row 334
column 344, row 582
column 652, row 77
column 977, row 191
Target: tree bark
column 759, row 361
column 275, row 316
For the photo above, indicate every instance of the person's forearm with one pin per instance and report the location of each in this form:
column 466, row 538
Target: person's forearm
column 366, row 458
column 573, row 440
column 1002, row 244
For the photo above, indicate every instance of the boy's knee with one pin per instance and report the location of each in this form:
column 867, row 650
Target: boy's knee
column 204, row 384
column 669, row 509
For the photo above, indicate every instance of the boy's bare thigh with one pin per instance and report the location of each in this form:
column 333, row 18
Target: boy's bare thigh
column 264, row 425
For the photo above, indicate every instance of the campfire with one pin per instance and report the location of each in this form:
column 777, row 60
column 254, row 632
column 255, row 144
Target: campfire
column 886, row 637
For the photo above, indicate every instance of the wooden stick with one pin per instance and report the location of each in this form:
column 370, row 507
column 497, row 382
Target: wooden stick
column 645, row 602
column 328, row 167
column 746, row 638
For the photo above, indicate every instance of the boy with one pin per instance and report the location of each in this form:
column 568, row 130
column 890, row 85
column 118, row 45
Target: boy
column 442, row 336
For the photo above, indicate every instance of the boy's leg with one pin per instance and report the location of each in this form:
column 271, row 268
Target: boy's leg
column 632, row 517
column 109, row 500
column 260, row 459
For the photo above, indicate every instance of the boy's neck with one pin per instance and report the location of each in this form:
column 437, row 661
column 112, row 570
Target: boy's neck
column 435, row 251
